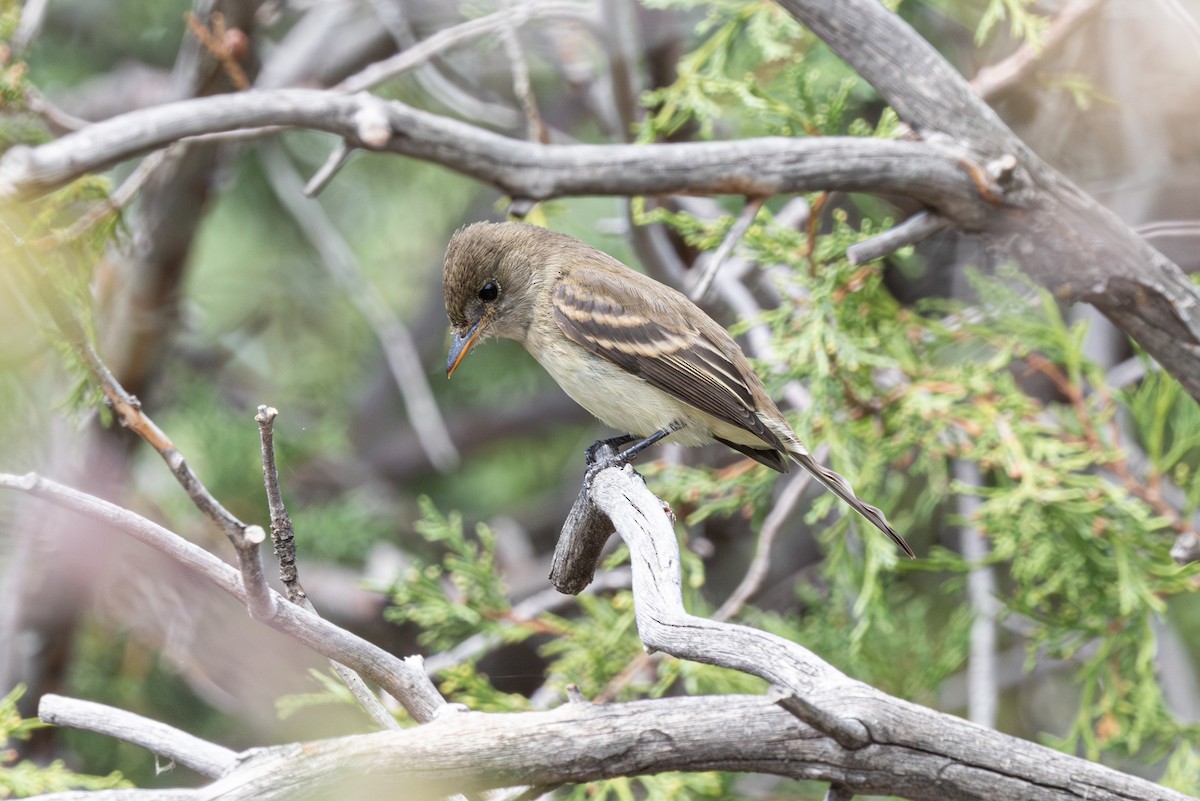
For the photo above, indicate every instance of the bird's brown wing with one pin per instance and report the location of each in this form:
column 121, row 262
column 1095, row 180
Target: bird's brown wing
column 661, row 337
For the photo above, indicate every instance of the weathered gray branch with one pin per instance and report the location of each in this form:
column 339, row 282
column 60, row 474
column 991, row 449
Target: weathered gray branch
column 750, row 167
column 284, row 539
column 944, row 757
column 199, row 755
column 468, row 752
column 898, row 748
column 916, row 228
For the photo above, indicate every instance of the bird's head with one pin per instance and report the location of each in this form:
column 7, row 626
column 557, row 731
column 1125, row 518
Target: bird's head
column 491, row 279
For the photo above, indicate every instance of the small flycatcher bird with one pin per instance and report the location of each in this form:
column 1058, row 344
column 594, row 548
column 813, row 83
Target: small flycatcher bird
column 638, row 355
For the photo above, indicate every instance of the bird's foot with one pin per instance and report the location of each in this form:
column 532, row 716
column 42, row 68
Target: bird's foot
column 601, row 456
column 593, row 452
column 603, row 453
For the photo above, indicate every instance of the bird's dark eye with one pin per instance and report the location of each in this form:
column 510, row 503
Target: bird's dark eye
column 489, row 292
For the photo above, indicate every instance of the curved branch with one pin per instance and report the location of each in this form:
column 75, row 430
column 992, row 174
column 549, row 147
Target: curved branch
column 939, row 756
column 201, row 756
column 750, row 167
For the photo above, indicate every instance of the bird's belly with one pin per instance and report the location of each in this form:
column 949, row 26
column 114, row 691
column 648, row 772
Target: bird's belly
column 618, row 399
column 630, row 405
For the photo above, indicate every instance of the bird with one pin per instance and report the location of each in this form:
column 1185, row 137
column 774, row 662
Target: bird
column 637, row 354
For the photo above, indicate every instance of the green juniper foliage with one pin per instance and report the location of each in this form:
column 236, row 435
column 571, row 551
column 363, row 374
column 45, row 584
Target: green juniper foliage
column 25, row 778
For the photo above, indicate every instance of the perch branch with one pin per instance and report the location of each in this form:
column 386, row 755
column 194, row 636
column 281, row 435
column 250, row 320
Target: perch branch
column 577, row 554
column 646, row 528
column 536, row 130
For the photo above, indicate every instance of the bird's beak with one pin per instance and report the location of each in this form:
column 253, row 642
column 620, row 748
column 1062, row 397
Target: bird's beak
column 460, row 346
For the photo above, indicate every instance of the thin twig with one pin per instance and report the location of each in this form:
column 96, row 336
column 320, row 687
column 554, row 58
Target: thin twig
column 983, row 688
column 756, row 573
column 60, row 122
column 1126, row 373
column 522, row 88
column 285, row 549
column 260, row 601
column 460, row 34
column 201, row 756
column 739, row 228
column 337, row 159
column 397, row 344
column 222, row 44
column 994, row 81
column 121, row 197
column 916, row 228
column 1166, row 229
column 282, row 535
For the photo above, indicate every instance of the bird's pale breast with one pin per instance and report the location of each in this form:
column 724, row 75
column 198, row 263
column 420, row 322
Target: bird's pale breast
column 624, row 402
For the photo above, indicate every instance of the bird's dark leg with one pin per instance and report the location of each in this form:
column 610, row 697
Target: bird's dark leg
column 629, row 454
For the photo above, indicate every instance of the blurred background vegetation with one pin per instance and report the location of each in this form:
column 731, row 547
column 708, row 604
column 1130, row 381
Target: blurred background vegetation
column 1014, row 442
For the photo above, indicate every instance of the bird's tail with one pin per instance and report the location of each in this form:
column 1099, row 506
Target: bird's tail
column 839, row 486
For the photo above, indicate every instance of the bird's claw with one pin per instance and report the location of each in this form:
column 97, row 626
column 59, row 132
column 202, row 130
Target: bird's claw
column 601, row 456
column 594, row 452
